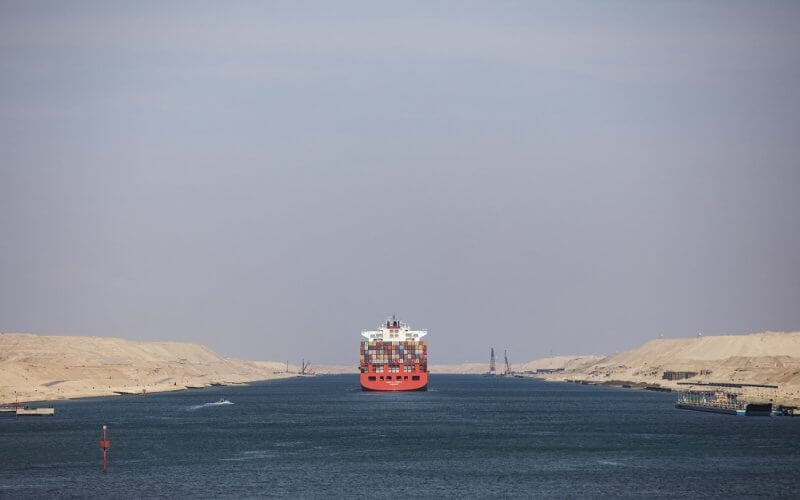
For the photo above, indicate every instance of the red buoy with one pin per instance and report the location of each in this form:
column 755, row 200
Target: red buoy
column 105, row 444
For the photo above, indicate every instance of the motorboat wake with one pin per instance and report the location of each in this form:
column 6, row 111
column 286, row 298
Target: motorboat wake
column 219, row 402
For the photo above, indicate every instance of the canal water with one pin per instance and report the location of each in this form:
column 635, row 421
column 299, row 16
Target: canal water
column 468, row 436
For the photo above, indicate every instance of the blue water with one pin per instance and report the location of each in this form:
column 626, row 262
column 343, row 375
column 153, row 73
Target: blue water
column 468, row 436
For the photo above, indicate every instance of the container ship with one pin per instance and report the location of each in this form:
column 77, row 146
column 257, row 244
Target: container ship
column 394, row 358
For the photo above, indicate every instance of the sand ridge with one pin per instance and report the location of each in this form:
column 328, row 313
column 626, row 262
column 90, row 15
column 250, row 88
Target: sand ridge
column 759, row 358
column 39, row 367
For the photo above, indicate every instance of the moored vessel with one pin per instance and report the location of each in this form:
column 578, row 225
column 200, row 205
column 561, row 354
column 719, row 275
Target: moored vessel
column 26, row 411
column 721, row 402
column 393, row 358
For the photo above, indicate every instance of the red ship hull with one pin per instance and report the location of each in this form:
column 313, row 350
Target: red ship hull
column 414, row 381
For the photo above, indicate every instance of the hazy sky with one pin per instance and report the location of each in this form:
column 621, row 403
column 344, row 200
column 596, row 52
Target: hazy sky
column 269, row 178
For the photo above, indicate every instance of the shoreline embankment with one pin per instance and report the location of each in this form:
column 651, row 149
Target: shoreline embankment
column 51, row 368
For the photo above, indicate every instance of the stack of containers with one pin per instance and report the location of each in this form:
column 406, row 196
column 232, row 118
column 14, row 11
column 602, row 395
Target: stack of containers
column 393, row 353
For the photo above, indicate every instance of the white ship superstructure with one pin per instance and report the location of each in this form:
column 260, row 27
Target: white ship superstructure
column 394, row 330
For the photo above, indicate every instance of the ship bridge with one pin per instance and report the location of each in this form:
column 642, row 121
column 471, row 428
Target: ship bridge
column 394, row 330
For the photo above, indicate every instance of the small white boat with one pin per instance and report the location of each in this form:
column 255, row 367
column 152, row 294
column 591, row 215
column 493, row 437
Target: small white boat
column 35, row 411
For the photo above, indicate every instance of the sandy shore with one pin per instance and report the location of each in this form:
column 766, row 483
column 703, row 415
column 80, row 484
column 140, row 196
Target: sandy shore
column 36, row 367
column 771, row 358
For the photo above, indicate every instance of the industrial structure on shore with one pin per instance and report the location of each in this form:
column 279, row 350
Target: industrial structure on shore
column 507, row 371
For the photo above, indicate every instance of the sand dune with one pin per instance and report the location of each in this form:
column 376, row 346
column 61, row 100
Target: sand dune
column 334, row 369
column 562, row 362
column 464, row 368
column 36, row 367
column 760, row 358
column 558, row 363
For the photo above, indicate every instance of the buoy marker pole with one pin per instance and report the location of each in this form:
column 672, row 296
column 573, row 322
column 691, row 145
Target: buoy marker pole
column 105, row 444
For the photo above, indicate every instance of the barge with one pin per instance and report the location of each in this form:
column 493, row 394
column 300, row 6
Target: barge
column 26, row 411
column 721, row 402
